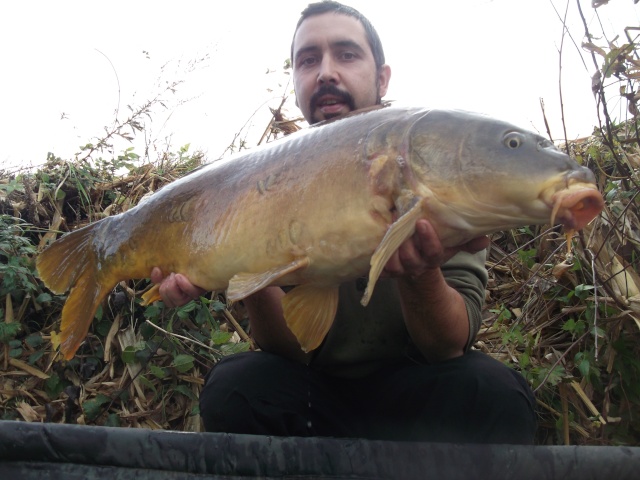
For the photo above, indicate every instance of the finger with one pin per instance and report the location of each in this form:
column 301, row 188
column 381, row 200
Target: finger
column 476, row 244
column 428, row 245
column 410, row 256
column 156, row 275
column 188, row 288
column 393, row 266
column 168, row 290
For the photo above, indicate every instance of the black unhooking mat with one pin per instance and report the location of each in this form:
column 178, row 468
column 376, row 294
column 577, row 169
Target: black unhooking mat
column 47, row 451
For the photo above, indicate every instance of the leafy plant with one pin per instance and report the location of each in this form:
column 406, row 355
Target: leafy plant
column 16, row 260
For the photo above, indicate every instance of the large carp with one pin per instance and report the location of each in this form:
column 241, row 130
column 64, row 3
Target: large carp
column 322, row 206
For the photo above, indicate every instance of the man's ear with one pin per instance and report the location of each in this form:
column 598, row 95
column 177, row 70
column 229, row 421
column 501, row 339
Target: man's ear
column 384, row 75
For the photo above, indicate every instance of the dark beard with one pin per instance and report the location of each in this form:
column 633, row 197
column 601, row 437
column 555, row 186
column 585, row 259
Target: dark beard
column 341, row 96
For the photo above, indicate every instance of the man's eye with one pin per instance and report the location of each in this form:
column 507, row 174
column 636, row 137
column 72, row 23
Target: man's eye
column 348, row 56
column 307, row 61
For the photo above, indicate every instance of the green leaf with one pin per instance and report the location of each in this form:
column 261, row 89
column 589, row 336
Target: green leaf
column 43, row 298
column 219, row 338
column 152, row 311
column 129, row 354
column 147, row 383
column 574, row 327
column 34, row 340
column 113, row 420
column 102, row 327
column 556, row 375
column 157, row 371
column 218, row 306
column 53, row 386
column 15, row 352
column 233, row 348
column 186, row 391
column 34, row 357
column 93, row 408
column 204, row 317
column 185, row 310
column 584, row 367
column 528, row 257
column 583, row 291
column 598, row 332
column 8, row 331
column 525, row 360
column 183, row 363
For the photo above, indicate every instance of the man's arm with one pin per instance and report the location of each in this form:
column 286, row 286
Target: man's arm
column 268, row 326
column 435, row 313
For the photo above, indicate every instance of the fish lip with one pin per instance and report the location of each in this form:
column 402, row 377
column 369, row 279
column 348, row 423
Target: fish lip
column 576, row 205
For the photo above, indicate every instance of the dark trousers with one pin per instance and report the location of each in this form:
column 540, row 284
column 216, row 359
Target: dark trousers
column 469, row 399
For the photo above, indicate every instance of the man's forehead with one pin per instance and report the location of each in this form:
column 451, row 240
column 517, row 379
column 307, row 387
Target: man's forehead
column 330, row 28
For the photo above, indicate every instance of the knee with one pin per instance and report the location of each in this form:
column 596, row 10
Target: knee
column 220, row 399
column 494, row 377
column 238, row 389
column 503, row 394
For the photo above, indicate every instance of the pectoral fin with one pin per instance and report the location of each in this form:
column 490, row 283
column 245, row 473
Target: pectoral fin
column 398, row 232
column 244, row 284
column 309, row 311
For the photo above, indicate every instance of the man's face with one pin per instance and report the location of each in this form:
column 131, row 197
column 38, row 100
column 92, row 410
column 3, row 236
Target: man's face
column 334, row 71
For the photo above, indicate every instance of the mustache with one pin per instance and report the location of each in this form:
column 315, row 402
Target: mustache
column 341, row 95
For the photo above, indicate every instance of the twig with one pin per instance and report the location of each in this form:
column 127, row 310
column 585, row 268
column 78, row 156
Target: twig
column 564, row 401
column 564, row 125
column 238, row 328
column 544, row 118
column 115, row 72
column 181, row 337
column 595, row 300
column 601, row 99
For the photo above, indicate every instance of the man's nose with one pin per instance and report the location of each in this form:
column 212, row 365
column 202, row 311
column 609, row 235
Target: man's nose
column 328, row 73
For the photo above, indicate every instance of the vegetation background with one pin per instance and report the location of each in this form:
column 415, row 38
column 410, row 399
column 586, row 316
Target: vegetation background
column 569, row 322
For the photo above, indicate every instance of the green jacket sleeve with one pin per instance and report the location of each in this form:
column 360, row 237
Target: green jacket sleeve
column 468, row 275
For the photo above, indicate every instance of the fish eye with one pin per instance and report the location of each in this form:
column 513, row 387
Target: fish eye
column 513, row 140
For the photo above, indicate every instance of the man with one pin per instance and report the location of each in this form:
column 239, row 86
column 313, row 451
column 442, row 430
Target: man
column 400, row 368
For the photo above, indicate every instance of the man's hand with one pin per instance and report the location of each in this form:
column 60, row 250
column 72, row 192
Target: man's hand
column 175, row 289
column 423, row 252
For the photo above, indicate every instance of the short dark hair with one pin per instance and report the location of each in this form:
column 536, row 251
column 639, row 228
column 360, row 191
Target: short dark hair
column 325, row 6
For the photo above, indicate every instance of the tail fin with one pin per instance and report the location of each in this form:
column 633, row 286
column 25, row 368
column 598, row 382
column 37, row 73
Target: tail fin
column 60, row 264
column 71, row 263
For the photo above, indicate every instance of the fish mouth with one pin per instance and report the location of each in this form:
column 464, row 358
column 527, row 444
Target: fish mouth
column 575, row 206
